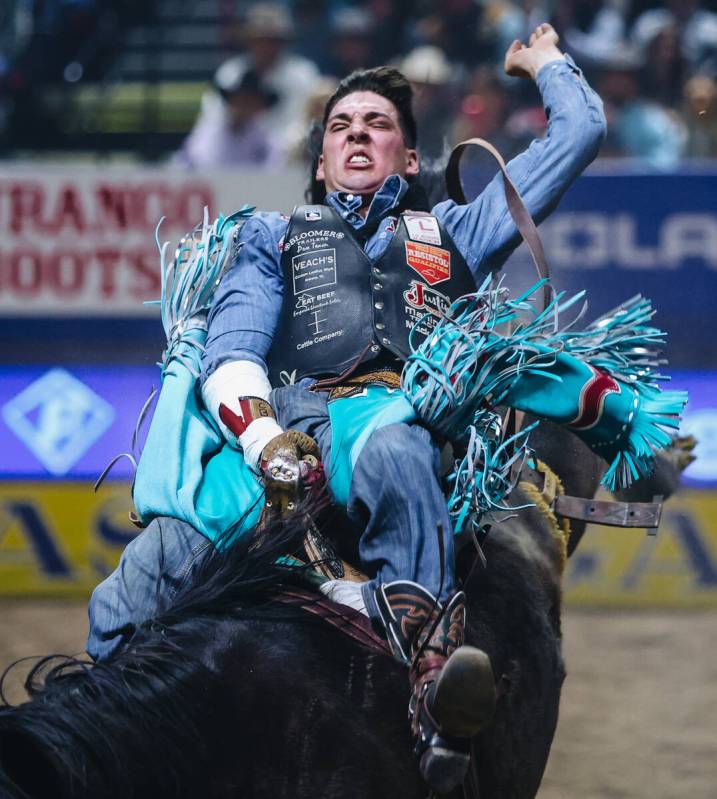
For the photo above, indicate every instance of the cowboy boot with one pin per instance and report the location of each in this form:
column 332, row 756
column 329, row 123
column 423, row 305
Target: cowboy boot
column 452, row 686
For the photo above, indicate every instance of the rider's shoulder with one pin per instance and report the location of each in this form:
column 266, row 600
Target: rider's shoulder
column 271, row 222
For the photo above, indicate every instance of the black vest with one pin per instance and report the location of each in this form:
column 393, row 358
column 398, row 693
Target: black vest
column 337, row 303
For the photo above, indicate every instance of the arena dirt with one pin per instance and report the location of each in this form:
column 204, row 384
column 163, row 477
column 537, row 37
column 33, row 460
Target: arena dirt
column 639, row 712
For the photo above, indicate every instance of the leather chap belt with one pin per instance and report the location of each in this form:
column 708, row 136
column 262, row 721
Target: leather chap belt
column 596, row 511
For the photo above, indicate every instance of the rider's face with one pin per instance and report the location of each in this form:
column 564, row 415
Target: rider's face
column 363, row 145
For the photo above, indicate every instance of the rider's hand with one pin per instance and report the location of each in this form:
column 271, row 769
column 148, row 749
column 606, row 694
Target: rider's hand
column 525, row 62
column 282, row 469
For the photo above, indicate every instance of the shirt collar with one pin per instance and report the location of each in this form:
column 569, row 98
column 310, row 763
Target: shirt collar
column 386, row 199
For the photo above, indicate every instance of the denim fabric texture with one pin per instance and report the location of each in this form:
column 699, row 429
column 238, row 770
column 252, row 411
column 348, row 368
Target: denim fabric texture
column 153, row 567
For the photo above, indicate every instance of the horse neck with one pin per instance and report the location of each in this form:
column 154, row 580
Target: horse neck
column 578, row 468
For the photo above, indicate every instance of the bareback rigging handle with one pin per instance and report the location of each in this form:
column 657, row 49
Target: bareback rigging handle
column 516, row 206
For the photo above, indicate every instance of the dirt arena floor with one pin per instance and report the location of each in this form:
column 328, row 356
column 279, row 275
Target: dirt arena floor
column 639, row 712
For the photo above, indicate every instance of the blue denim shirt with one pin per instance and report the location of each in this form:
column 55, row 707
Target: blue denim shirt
column 246, row 308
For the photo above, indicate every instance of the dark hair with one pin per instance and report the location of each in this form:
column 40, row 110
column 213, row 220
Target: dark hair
column 387, row 82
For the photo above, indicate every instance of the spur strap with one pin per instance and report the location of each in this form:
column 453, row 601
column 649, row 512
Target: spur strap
column 611, row 512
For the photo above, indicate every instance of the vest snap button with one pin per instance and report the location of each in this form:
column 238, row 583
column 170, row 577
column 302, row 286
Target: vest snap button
column 378, row 306
column 375, row 348
column 376, row 270
column 380, row 326
column 386, row 341
column 377, row 286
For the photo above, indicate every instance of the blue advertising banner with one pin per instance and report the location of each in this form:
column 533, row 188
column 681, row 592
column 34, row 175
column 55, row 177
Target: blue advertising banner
column 70, row 422
column 617, row 235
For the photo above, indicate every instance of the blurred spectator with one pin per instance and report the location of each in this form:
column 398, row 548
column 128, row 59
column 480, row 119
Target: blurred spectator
column 266, row 32
column 637, row 126
column 453, row 26
column 484, row 112
column 235, row 130
column 435, row 97
column 696, row 28
column 664, row 69
column 312, row 24
column 701, row 117
column 310, row 120
column 593, row 33
column 351, row 40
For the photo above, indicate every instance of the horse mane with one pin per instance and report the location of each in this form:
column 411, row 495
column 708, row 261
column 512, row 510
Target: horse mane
column 83, row 712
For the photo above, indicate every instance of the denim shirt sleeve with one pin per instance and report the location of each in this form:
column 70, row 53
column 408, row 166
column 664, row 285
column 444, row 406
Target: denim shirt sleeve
column 483, row 230
column 245, row 311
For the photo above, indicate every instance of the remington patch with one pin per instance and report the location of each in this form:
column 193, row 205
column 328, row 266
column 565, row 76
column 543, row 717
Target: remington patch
column 433, row 264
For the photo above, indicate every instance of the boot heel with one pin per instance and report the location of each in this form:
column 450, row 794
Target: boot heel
column 463, row 700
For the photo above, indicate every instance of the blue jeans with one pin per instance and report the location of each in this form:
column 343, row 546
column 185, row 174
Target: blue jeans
column 395, row 499
column 152, row 569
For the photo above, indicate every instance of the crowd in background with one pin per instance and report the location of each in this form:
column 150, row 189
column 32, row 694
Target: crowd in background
column 653, row 63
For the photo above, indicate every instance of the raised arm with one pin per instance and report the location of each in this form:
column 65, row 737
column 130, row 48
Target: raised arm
column 484, row 230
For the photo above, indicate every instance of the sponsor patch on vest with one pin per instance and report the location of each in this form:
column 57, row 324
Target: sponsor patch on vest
column 423, row 228
column 433, row 264
column 314, row 270
column 312, row 215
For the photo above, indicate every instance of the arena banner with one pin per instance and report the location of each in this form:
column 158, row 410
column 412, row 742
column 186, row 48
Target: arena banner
column 60, row 422
column 79, row 240
column 618, row 234
column 69, row 422
column 61, row 539
column 677, row 568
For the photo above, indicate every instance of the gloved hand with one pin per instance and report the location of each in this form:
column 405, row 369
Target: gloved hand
column 285, row 460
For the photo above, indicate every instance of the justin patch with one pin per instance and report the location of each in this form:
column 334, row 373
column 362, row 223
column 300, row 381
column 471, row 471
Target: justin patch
column 433, row 264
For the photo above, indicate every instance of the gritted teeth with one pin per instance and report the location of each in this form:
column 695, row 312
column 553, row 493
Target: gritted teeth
column 358, row 159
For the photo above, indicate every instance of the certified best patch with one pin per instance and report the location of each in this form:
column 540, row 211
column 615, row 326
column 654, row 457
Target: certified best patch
column 433, row 264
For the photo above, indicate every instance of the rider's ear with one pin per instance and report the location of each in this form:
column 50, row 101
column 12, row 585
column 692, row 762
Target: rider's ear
column 320, row 168
column 412, row 163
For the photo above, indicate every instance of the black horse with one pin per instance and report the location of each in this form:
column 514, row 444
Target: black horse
column 233, row 693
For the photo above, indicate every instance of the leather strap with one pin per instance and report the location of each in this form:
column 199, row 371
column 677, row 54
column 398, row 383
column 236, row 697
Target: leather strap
column 516, row 206
column 596, row 511
column 608, row 512
column 349, row 621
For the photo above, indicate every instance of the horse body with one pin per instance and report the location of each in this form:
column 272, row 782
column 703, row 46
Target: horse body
column 230, row 693
column 263, row 700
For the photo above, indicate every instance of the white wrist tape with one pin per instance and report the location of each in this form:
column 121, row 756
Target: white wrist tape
column 226, row 386
column 257, row 435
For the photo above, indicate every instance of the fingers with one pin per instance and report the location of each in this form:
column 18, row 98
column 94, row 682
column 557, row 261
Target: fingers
column 543, row 29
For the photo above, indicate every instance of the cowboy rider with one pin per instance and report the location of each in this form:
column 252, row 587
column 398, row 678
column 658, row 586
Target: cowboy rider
column 297, row 307
column 298, row 300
